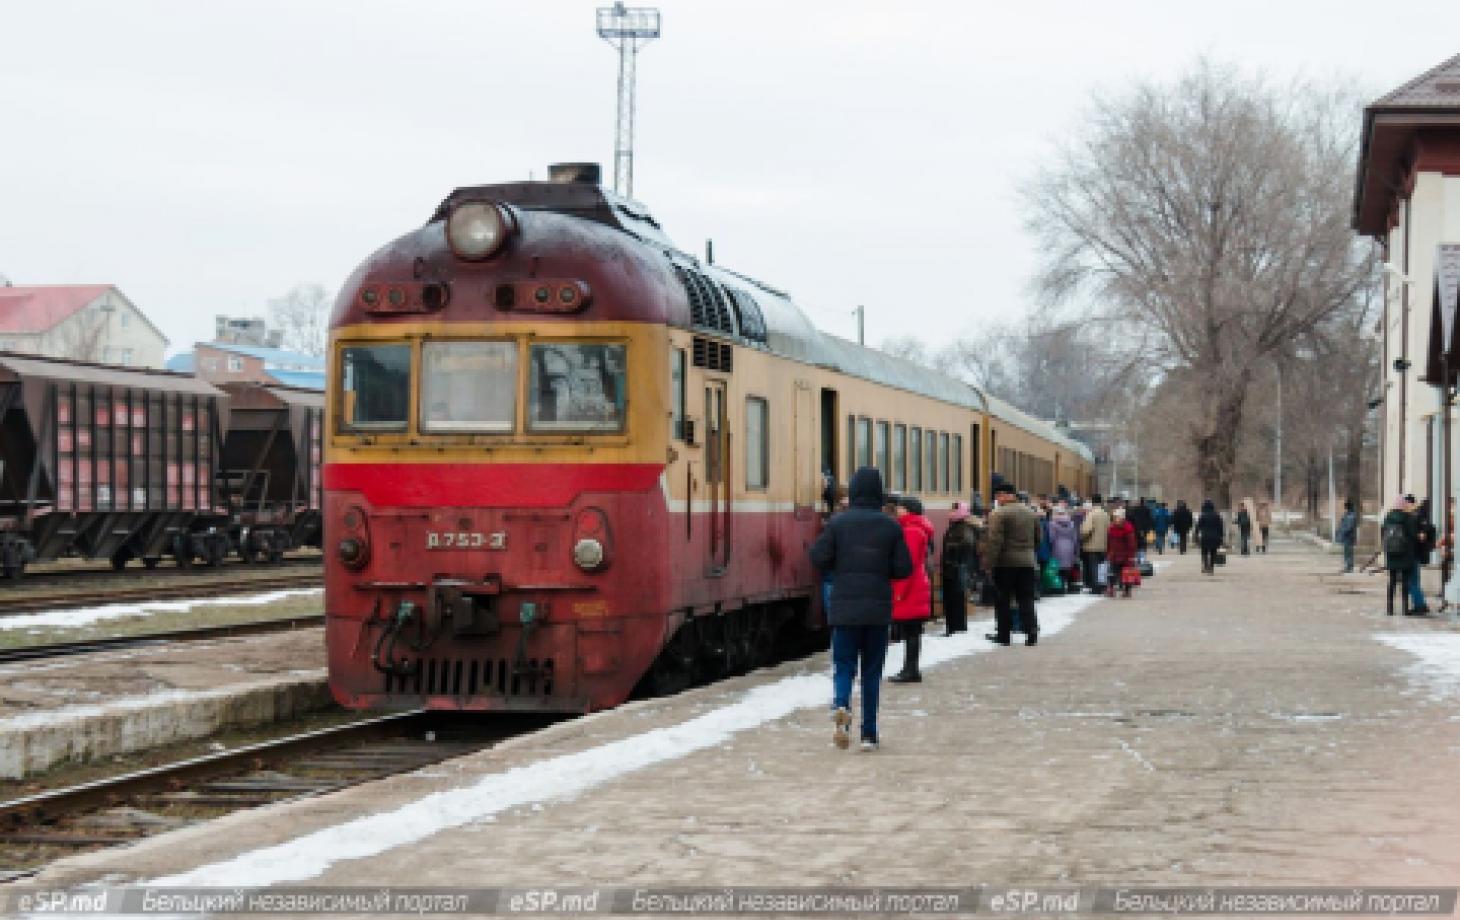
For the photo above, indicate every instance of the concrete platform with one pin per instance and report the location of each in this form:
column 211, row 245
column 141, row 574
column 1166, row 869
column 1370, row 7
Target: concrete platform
column 92, row 706
column 1247, row 728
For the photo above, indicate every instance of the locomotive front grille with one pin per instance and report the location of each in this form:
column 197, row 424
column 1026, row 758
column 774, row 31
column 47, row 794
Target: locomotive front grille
column 473, row 676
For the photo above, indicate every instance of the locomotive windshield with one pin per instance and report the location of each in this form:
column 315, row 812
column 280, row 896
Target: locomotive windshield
column 577, row 387
column 468, row 386
column 376, row 387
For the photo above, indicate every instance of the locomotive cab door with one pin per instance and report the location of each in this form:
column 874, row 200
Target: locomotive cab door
column 717, row 475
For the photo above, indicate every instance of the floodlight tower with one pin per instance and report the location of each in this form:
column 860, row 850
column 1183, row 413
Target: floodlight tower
column 628, row 29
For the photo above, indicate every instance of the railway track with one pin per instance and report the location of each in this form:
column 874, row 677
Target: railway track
column 38, row 828
column 28, row 600
column 116, row 643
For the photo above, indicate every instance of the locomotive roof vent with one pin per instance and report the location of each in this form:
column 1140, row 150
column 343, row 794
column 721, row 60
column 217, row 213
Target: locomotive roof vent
column 575, row 173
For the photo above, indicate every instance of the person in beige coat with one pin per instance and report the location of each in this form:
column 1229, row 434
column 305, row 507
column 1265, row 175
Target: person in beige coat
column 1264, row 525
column 1093, row 530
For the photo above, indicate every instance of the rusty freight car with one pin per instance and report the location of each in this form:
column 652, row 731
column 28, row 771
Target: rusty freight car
column 104, row 462
column 270, row 471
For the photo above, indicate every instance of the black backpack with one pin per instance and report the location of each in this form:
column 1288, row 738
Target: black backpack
column 1396, row 541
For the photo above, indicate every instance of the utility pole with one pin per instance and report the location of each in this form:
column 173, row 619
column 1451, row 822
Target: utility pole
column 1277, row 469
column 861, row 313
column 627, row 29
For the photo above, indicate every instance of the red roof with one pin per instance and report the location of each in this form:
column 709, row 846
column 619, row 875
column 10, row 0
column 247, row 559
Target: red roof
column 43, row 307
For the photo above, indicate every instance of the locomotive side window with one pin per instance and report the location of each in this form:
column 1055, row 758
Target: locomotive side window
column 757, row 445
column 577, row 387
column 376, row 387
column 899, row 458
column 915, row 462
column 677, row 384
column 468, row 386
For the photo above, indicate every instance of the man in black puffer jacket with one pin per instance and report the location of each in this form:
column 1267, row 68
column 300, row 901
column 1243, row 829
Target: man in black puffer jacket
column 863, row 550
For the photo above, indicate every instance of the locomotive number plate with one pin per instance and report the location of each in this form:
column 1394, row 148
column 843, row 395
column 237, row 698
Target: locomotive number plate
column 465, row 539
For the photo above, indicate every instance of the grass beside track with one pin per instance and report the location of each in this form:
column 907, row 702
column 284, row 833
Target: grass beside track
column 163, row 621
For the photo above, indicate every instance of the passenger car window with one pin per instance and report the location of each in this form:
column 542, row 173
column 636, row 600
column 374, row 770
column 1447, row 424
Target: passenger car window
column 376, row 387
column 468, row 386
column 577, row 387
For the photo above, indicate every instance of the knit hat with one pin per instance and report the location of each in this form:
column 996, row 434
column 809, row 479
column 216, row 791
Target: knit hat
column 960, row 512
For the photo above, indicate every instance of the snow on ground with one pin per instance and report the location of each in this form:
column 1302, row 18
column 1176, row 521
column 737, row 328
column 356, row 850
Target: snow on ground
column 1437, row 668
column 569, row 775
column 83, row 616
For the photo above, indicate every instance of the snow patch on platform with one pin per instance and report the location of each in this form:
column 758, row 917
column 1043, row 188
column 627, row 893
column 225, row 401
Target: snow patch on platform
column 84, row 616
column 1438, row 666
column 564, row 777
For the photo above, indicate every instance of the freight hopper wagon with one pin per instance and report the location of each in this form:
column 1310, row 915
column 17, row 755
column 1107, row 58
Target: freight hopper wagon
column 270, row 474
column 565, row 459
column 106, row 463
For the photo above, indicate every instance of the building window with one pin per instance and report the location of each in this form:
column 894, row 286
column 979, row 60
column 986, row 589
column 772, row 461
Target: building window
column 899, row 458
column 235, row 363
column 915, row 462
column 126, row 319
column 126, row 356
column 757, row 443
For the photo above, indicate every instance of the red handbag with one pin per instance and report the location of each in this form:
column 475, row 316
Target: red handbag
column 1130, row 575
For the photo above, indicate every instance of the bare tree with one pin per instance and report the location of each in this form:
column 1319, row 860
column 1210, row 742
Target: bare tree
column 83, row 336
column 302, row 314
column 1208, row 219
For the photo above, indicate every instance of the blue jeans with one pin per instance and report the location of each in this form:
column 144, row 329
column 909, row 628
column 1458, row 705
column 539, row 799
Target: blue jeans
column 1416, row 593
column 1348, row 557
column 851, row 645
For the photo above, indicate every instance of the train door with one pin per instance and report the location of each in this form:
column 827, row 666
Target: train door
column 807, row 485
column 829, row 454
column 717, row 474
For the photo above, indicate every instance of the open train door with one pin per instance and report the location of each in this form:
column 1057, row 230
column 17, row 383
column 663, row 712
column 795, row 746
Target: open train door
column 717, row 475
column 807, row 477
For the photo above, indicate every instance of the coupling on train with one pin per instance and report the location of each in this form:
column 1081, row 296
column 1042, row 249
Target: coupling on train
column 124, row 463
column 567, row 459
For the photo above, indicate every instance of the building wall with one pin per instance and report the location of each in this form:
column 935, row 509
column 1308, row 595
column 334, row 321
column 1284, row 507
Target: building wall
column 1430, row 216
column 218, row 366
column 109, row 330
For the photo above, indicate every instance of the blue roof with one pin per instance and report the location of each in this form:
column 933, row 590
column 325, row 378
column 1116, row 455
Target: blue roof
column 272, row 357
column 183, row 363
column 309, row 380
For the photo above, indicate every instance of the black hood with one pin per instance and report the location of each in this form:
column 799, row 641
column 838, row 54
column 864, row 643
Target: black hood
column 865, row 490
column 1208, row 506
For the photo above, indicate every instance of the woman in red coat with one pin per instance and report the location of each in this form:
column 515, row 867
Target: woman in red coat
column 912, row 597
column 1120, row 551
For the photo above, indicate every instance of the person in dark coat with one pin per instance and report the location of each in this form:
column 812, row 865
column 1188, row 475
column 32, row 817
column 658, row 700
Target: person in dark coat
column 1209, row 533
column 864, row 551
column 1243, row 520
column 956, row 562
column 1161, row 520
column 1424, row 548
column 1348, row 535
column 1013, row 534
column 1181, row 520
column 1139, row 515
column 1398, row 534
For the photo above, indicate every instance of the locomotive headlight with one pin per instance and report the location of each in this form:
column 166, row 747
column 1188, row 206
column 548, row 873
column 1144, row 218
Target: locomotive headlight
column 588, row 554
column 476, row 230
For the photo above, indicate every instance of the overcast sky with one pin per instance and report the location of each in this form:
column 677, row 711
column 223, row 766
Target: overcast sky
column 206, row 155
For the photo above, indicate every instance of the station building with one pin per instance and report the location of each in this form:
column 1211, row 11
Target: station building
column 1407, row 199
column 79, row 322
